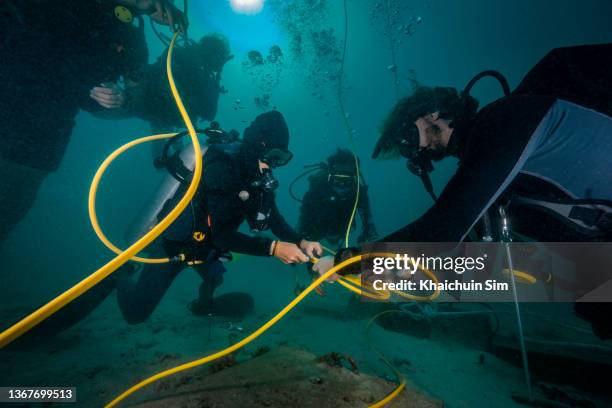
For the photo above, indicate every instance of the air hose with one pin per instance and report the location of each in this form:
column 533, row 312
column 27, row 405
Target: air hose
column 255, row 335
column 93, row 191
column 30, row 321
column 349, row 129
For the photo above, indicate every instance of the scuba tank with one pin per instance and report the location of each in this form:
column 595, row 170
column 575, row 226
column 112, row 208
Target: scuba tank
column 167, row 189
column 179, row 166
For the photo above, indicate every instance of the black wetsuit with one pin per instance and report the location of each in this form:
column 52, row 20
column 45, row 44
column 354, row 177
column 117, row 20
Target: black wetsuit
column 217, row 211
column 139, row 293
column 198, row 86
column 498, row 150
column 325, row 213
column 551, row 138
column 54, row 53
column 225, row 177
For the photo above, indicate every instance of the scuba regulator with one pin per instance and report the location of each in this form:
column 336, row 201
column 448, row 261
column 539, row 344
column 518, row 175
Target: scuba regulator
column 173, row 162
column 262, row 189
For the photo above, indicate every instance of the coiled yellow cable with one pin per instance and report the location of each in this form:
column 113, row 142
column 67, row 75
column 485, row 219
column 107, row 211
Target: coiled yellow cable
column 93, row 191
column 250, row 338
column 30, row 321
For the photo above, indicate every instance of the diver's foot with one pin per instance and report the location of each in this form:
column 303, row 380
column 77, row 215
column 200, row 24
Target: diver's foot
column 234, row 305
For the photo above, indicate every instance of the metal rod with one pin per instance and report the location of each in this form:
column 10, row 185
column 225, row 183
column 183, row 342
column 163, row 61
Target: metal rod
column 507, row 239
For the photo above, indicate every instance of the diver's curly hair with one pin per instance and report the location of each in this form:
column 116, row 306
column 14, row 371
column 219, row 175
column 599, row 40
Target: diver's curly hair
column 341, row 156
column 425, row 100
column 215, row 50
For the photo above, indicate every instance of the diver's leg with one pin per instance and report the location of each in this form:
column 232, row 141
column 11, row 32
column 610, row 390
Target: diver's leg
column 76, row 310
column 138, row 299
column 211, row 273
column 18, row 187
column 232, row 305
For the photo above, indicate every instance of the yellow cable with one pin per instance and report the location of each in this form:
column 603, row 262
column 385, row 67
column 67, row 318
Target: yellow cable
column 402, row 381
column 30, row 321
column 354, row 284
column 357, row 192
column 241, row 343
column 255, row 335
column 93, row 190
column 523, row 277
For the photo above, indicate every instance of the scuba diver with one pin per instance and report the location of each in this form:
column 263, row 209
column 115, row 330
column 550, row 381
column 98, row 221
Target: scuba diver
column 197, row 68
column 58, row 54
column 237, row 186
column 327, row 205
column 542, row 152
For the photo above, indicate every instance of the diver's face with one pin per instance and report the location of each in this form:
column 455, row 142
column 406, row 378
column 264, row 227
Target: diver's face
column 263, row 166
column 434, row 134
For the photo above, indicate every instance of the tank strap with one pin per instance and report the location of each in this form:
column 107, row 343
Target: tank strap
column 594, row 216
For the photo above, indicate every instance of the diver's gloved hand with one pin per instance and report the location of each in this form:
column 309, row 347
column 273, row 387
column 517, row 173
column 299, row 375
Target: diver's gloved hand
column 108, row 95
column 311, row 248
column 344, row 254
column 161, row 11
column 324, row 264
column 288, row 253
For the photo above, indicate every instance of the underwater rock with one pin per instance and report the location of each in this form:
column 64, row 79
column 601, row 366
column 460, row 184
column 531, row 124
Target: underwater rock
column 286, row 377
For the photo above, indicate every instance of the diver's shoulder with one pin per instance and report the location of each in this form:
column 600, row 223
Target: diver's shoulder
column 517, row 104
column 223, row 157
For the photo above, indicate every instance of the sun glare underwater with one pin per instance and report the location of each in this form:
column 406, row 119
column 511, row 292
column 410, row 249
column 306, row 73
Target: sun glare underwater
column 247, row 6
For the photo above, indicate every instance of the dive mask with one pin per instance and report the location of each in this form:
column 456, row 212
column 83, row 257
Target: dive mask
column 341, row 180
column 419, row 160
column 276, row 157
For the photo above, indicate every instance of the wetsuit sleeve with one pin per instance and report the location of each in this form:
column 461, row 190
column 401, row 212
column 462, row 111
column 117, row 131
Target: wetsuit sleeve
column 226, row 213
column 281, row 228
column 581, row 75
column 365, row 211
column 307, row 225
column 498, row 143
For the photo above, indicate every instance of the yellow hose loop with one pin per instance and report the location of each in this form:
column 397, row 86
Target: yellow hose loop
column 93, row 190
column 522, row 277
column 354, row 284
column 241, row 343
column 424, row 298
column 30, row 321
column 357, row 192
column 260, row 331
column 400, row 377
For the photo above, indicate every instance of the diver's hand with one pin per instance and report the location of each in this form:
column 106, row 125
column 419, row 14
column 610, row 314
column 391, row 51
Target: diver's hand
column 323, row 265
column 108, row 95
column 311, row 248
column 289, row 253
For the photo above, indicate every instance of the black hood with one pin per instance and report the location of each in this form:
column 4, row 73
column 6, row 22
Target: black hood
column 269, row 131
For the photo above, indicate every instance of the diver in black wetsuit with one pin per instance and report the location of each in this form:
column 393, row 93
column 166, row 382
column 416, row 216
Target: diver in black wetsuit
column 57, row 54
column 547, row 142
column 327, row 205
column 237, row 186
